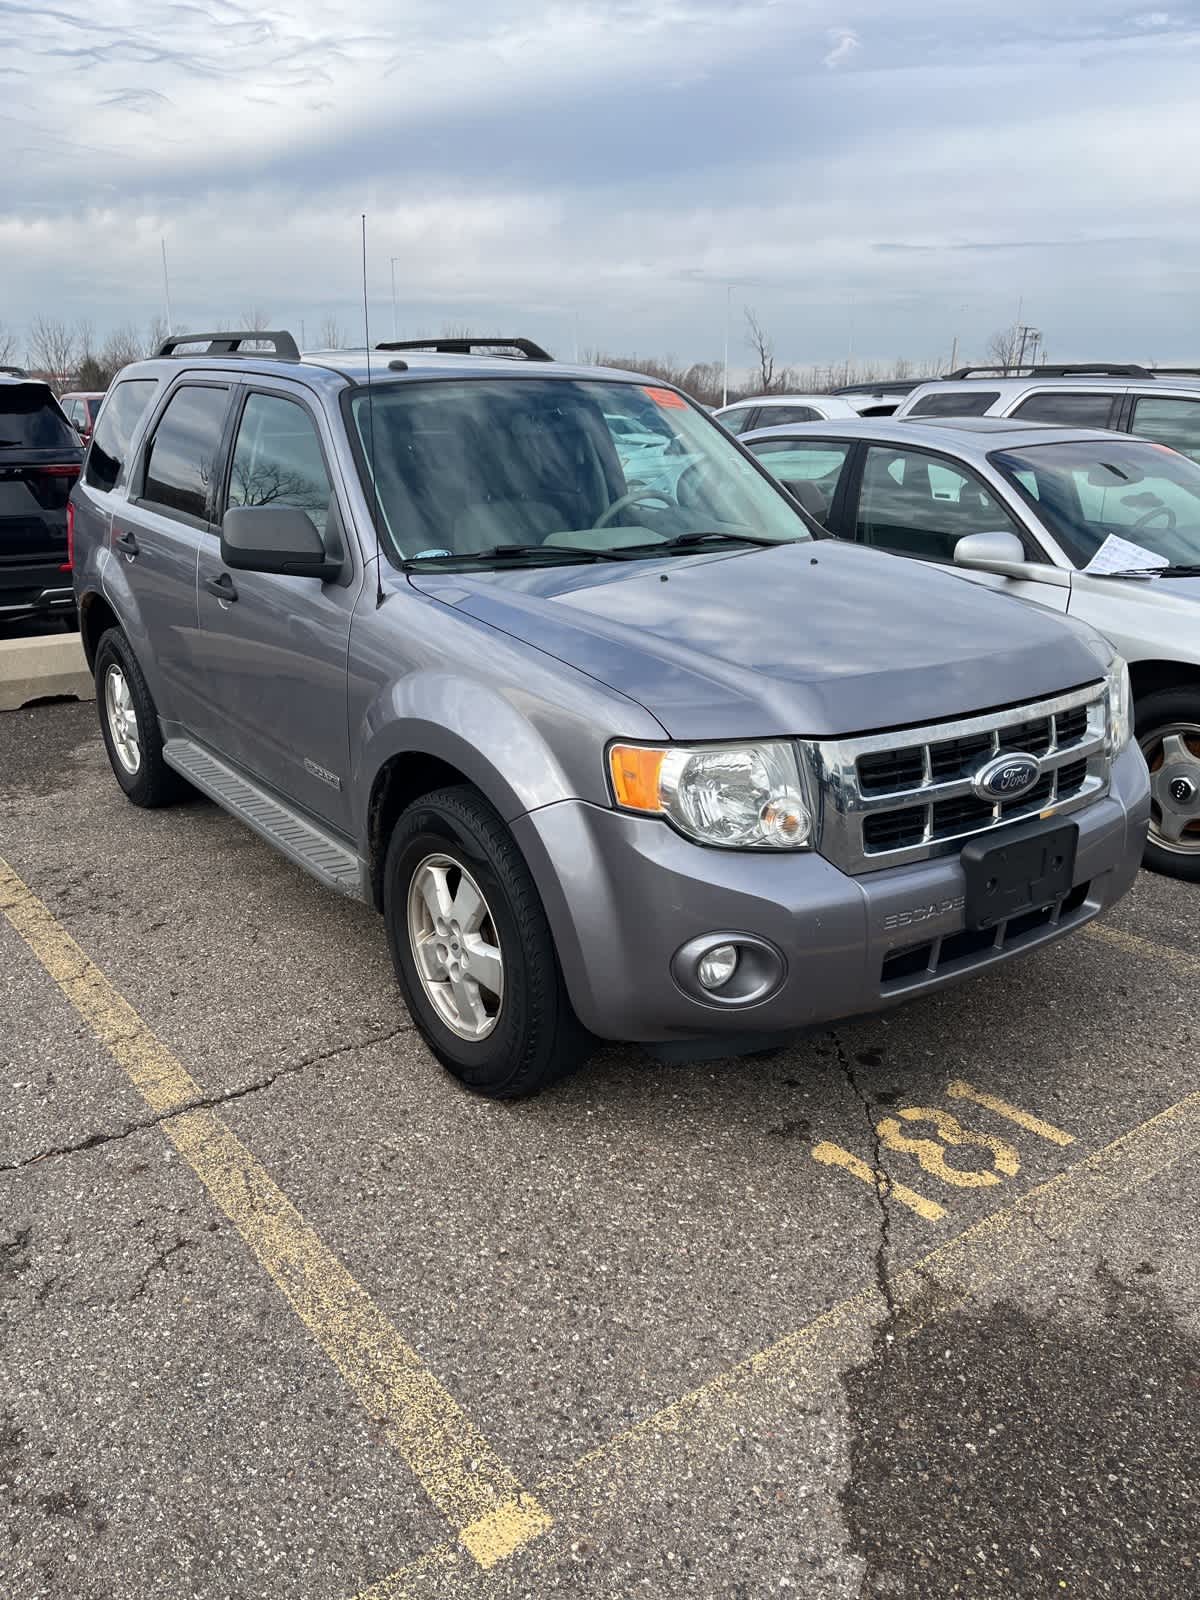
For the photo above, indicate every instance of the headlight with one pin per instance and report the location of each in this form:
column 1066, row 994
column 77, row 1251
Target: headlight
column 1120, row 705
column 743, row 796
column 1120, row 696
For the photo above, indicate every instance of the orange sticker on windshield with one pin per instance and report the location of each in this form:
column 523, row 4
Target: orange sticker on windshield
column 667, row 399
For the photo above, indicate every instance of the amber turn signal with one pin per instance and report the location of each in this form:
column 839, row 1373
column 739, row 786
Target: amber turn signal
column 635, row 774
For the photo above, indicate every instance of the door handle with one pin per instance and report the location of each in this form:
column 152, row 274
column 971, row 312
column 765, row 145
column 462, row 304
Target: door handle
column 127, row 542
column 223, row 587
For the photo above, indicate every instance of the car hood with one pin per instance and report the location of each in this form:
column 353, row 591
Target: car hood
column 811, row 639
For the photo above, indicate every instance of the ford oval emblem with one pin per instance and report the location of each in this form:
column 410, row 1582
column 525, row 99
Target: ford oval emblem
column 1007, row 777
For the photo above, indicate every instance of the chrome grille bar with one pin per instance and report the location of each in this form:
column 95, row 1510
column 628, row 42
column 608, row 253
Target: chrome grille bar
column 853, row 822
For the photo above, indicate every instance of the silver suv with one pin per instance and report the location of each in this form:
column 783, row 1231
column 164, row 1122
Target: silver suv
column 616, row 760
column 1161, row 403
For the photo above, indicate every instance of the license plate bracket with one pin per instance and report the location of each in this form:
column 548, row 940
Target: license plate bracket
column 1021, row 869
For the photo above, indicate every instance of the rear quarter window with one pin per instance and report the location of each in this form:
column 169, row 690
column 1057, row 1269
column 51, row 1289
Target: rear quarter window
column 123, row 410
column 955, row 403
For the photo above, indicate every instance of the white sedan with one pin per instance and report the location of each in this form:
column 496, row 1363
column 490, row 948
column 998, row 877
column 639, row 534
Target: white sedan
column 1102, row 526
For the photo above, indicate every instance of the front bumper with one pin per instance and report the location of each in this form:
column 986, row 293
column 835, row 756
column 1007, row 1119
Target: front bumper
column 623, row 893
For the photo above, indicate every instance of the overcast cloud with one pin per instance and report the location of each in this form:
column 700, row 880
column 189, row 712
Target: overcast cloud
column 867, row 176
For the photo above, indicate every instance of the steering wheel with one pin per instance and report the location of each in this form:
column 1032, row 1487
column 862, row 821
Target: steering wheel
column 630, row 499
column 1147, row 517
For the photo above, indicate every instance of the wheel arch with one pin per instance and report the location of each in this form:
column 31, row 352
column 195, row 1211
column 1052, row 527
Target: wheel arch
column 96, row 616
column 1151, row 676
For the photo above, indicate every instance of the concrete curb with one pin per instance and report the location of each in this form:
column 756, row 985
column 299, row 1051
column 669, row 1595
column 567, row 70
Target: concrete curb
column 35, row 669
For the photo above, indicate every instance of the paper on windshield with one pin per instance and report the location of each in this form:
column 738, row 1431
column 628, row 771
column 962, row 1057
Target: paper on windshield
column 1122, row 555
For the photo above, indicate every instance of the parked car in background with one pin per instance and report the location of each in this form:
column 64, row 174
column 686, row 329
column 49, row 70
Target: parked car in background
column 1095, row 525
column 40, row 460
column 634, row 763
column 770, row 410
column 1162, row 403
column 871, row 399
column 82, row 410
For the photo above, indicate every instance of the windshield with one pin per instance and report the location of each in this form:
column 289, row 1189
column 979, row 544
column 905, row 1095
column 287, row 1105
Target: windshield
column 1092, row 490
column 466, row 468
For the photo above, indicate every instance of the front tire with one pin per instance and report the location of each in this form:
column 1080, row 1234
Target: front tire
column 129, row 725
column 1168, row 731
column 473, row 951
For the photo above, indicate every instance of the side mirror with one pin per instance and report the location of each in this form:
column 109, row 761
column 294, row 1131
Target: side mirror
column 1004, row 554
column 280, row 539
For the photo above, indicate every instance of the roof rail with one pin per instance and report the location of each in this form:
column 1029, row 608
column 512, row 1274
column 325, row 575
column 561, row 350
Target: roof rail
column 230, row 344
column 15, row 372
column 884, row 386
column 464, row 347
column 1078, row 369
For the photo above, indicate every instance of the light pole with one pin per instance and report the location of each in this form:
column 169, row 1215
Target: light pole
column 166, row 287
column 395, row 328
column 728, row 305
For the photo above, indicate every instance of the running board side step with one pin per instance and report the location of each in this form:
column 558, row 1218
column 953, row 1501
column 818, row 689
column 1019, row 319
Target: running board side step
column 310, row 847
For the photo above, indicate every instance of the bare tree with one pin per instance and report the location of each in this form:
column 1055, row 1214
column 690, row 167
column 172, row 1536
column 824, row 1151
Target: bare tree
column 54, row 350
column 8, row 346
column 331, row 336
column 1004, row 347
column 764, row 351
column 255, row 321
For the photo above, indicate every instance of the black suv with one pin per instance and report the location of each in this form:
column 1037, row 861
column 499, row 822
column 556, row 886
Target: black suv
column 40, row 459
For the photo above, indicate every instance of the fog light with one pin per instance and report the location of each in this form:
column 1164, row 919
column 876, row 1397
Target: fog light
column 715, row 968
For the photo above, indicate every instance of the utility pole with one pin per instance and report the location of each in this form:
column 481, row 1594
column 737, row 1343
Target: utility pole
column 954, row 355
column 166, row 287
column 395, row 326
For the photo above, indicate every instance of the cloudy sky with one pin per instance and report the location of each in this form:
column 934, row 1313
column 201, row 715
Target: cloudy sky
column 868, row 175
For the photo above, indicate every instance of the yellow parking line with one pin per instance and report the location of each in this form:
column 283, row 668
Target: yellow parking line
column 1147, row 949
column 490, row 1511
column 960, row 1089
column 692, row 1433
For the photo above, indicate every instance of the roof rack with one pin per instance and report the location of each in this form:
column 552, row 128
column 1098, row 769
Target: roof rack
column 230, row 344
column 464, row 347
column 884, row 386
column 1078, row 369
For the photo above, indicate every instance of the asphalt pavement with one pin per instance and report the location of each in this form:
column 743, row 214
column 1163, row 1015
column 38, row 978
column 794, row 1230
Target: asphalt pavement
column 287, row 1315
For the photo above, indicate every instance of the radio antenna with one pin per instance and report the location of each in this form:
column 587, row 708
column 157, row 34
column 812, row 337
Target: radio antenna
column 371, row 425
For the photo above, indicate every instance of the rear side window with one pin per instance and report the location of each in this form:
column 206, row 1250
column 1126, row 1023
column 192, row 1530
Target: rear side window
column 783, row 416
column 110, row 443
column 182, row 456
column 1167, row 421
column 735, row 421
column 810, row 469
column 1069, row 409
column 277, row 460
column 32, row 419
column 955, row 403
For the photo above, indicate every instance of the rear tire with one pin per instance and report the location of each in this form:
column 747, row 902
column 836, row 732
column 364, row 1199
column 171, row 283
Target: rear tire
column 473, row 951
column 129, row 725
column 1168, row 731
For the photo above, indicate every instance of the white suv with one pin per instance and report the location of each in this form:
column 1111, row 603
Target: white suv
column 1162, row 404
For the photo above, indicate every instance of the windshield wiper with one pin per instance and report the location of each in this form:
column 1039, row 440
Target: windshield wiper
column 1179, row 572
column 692, row 541
column 533, row 553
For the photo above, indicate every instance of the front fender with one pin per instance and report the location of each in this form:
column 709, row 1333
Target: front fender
column 520, row 752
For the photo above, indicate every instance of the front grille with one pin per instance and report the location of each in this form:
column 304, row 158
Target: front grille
column 895, row 797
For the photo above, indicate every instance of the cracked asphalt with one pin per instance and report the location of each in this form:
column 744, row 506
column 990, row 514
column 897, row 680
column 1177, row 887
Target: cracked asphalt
column 1001, row 1402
